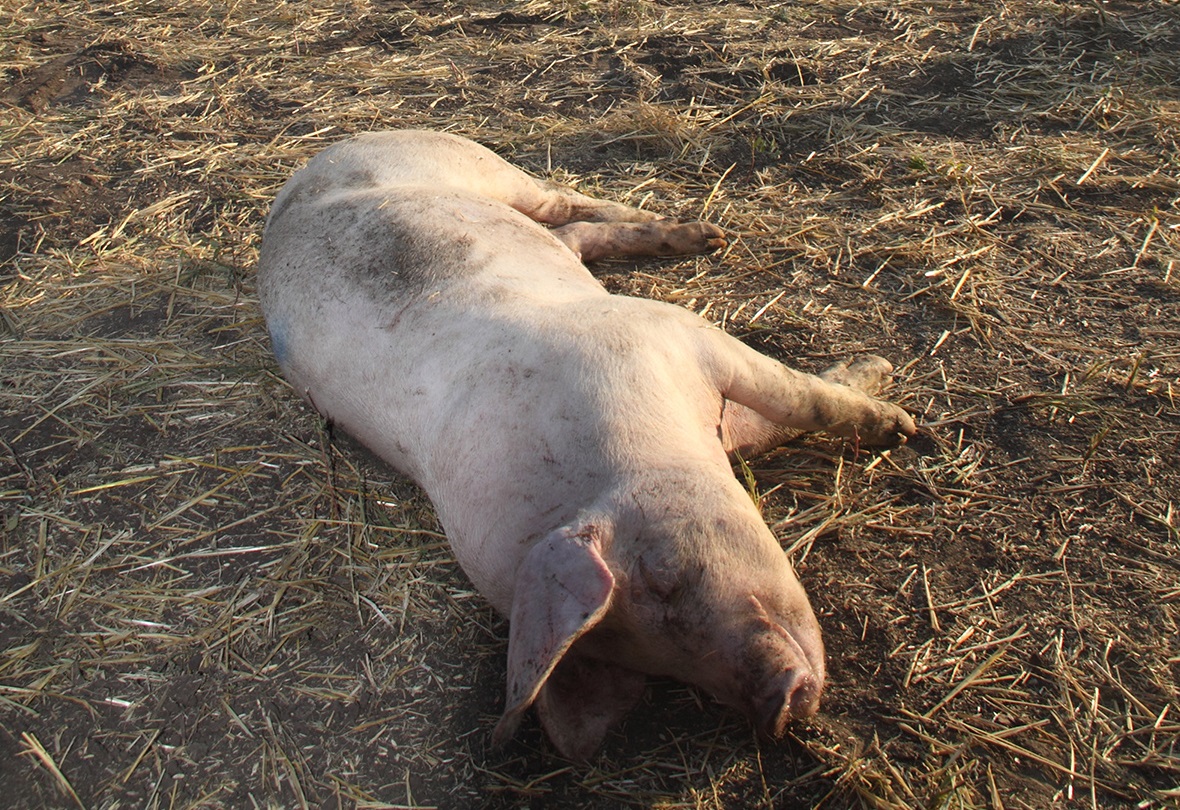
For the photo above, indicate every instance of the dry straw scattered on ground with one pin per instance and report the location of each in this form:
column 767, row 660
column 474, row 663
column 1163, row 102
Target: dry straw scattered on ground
column 205, row 601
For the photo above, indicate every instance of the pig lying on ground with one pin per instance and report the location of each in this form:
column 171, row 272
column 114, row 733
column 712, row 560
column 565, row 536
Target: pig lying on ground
column 573, row 442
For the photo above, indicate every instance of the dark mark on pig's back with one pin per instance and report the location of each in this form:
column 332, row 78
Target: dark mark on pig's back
column 385, row 246
column 393, row 251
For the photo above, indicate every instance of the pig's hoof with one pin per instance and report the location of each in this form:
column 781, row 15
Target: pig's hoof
column 868, row 373
column 892, row 427
column 689, row 238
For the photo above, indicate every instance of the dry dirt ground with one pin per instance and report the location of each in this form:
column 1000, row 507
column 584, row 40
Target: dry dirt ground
column 207, row 601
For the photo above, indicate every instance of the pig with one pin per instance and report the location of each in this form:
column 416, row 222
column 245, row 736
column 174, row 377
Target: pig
column 433, row 301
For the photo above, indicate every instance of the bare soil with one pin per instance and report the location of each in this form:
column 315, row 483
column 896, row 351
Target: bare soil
column 207, row 600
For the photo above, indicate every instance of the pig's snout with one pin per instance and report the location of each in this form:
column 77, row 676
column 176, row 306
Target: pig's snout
column 792, row 690
column 792, row 695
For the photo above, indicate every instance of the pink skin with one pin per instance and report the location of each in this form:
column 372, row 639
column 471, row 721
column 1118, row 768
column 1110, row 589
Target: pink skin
column 575, row 444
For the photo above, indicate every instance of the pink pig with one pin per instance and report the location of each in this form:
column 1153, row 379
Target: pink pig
column 575, row 443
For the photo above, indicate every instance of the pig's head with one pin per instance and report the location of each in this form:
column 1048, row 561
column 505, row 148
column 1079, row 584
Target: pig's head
column 706, row 596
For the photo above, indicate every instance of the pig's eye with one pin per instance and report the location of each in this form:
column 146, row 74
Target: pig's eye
column 659, row 582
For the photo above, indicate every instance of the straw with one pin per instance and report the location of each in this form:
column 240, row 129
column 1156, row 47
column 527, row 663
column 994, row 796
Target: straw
column 209, row 600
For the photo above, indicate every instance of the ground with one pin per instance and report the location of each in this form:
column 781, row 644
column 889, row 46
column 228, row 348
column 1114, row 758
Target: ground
column 208, row 601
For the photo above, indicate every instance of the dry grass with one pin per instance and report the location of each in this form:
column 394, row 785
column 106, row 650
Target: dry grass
column 207, row 602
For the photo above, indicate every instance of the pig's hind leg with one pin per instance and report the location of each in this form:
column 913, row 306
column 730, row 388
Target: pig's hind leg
column 554, row 204
column 590, row 227
column 466, row 164
column 598, row 240
column 595, row 229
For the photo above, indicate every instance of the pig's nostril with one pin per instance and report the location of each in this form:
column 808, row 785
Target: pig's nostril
column 794, row 697
column 804, row 697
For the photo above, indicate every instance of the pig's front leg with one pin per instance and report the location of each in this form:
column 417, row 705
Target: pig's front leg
column 746, row 433
column 598, row 240
column 792, row 399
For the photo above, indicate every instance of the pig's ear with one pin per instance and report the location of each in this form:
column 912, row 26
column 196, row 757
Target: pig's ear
column 583, row 699
column 563, row 588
